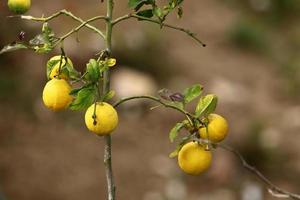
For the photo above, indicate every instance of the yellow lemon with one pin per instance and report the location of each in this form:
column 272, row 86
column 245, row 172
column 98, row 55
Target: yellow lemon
column 105, row 119
column 55, row 70
column 19, row 6
column 193, row 159
column 56, row 94
column 217, row 128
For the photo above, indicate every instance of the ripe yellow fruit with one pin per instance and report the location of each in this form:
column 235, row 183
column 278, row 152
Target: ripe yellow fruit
column 193, row 159
column 19, row 6
column 55, row 70
column 106, row 118
column 217, row 128
column 56, row 94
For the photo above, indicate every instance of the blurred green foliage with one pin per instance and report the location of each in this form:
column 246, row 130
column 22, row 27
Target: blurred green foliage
column 249, row 35
column 270, row 28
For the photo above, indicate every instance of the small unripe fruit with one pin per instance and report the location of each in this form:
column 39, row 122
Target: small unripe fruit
column 19, row 6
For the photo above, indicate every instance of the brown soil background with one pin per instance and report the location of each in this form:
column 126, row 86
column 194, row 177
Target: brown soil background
column 51, row 156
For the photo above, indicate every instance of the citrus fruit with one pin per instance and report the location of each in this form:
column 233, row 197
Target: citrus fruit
column 55, row 70
column 193, row 159
column 56, row 94
column 102, row 120
column 217, row 128
column 19, row 6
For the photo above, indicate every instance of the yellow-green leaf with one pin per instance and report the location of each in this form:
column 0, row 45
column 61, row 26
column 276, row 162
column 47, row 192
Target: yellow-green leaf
column 174, row 131
column 111, row 62
column 206, row 105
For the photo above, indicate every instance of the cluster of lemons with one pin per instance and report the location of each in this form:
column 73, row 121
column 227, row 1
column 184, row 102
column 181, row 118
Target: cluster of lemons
column 194, row 157
column 100, row 118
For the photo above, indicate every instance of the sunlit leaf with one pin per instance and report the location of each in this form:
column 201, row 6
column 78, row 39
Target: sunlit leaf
column 158, row 12
column 13, row 47
column 174, row 153
column 50, row 66
column 111, row 62
column 192, row 92
column 43, row 43
column 206, row 105
column 93, row 72
column 183, row 141
column 109, row 95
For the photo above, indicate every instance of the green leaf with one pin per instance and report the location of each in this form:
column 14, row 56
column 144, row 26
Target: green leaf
column 50, row 66
column 135, row 3
column 93, row 73
column 84, row 98
column 73, row 73
column 75, row 91
column 180, row 145
column 109, row 95
column 174, row 3
column 111, row 62
column 158, row 12
column 174, row 153
column 146, row 13
column 177, row 104
column 206, row 105
column 174, row 131
column 43, row 43
column 192, row 92
column 13, row 47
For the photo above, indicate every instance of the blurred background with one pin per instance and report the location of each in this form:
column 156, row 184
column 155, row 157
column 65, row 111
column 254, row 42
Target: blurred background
column 251, row 62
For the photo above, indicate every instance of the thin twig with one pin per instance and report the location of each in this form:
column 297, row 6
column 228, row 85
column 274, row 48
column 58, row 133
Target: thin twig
column 273, row 189
column 78, row 28
column 162, row 24
column 67, row 13
column 187, row 114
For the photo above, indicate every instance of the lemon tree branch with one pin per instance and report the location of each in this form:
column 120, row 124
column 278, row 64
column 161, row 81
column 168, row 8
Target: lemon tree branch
column 162, row 24
column 67, row 13
column 158, row 100
column 273, row 189
column 111, row 188
column 62, row 38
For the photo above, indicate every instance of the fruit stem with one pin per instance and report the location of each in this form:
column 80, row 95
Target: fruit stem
column 106, row 85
